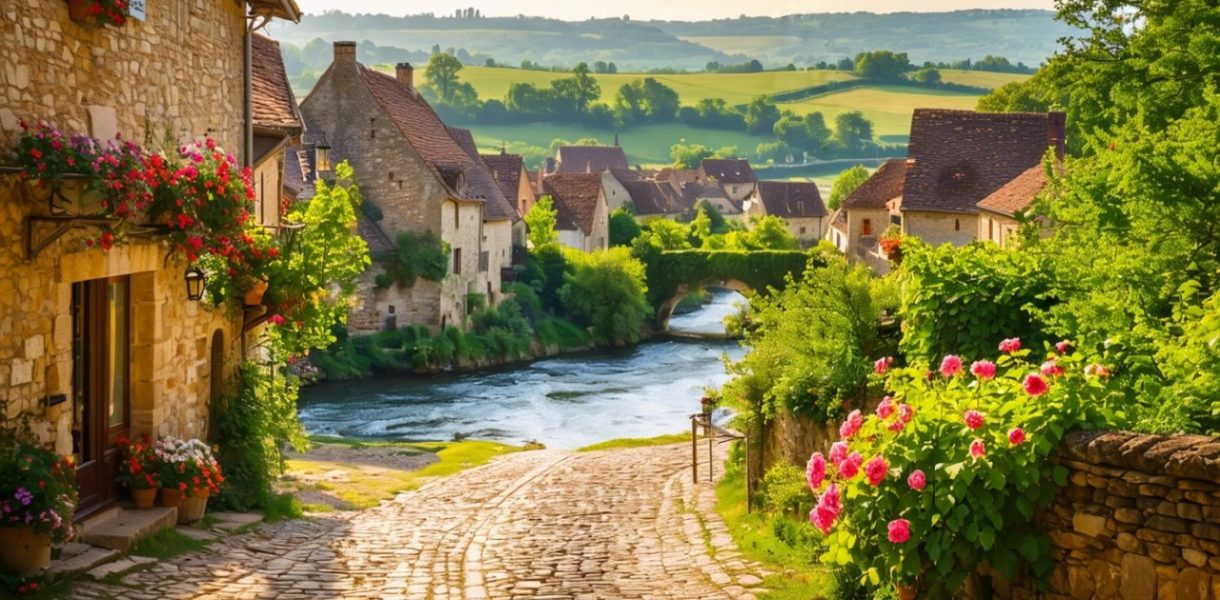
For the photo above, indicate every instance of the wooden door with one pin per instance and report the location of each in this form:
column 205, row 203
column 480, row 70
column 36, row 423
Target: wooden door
column 101, row 352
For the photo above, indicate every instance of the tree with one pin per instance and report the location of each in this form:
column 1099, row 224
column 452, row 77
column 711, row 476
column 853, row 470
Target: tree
column 442, row 75
column 623, row 228
column 846, row 183
column 606, row 290
column 645, row 100
column 666, row 234
column 807, row 134
column 882, row 64
column 540, row 221
column 771, row 233
column 927, row 76
column 761, row 116
column 688, row 156
column 853, row 130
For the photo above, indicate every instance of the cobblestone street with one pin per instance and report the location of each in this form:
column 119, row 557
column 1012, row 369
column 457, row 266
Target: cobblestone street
column 542, row 524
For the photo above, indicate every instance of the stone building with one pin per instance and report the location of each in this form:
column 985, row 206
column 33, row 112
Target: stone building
column 654, row 199
column 418, row 179
column 798, row 203
column 734, row 176
column 867, row 213
column 95, row 344
column 509, row 172
column 277, row 126
column 998, row 212
column 499, row 218
column 583, row 218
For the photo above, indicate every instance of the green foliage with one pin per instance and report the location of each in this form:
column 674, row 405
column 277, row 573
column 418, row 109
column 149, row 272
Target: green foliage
column 690, row 156
column 415, row 255
column 853, row 130
column 645, row 100
column 966, row 300
column 665, row 234
column 813, row 342
column 766, row 233
column 927, row 76
column 976, row 506
column 761, row 116
column 882, row 64
column 606, row 290
column 623, row 228
column 785, row 491
column 806, row 133
column 846, row 183
column 760, row 270
column 39, row 487
column 541, row 220
column 251, row 430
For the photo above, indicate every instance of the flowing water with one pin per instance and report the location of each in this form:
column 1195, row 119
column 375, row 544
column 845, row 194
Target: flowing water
column 563, row 402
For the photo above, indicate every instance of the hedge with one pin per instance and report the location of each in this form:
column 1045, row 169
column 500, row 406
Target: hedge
column 759, row 269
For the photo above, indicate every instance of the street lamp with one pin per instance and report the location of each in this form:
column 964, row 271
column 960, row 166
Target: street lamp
column 323, row 154
column 194, row 283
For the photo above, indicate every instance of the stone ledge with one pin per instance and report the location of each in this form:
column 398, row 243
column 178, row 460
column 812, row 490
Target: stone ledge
column 1187, row 456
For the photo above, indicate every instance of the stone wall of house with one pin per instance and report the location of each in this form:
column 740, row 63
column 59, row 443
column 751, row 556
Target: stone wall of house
column 498, row 243
column 616, row 194
column 939, row 228
column 1139, row 519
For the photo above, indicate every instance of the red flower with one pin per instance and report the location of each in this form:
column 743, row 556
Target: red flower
column 106, row 240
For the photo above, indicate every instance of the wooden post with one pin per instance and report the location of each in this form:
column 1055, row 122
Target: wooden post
column 749, row 500
column 694, row 450
column 711, row 476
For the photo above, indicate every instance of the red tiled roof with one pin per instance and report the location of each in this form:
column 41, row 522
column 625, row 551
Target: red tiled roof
column 791, row 199
column 1017, row 194
column 504, row 167
column 270, row 94
column 962, row 156
column 595, row 159
column 728, row 170
column 884, row 184
column 576, row 197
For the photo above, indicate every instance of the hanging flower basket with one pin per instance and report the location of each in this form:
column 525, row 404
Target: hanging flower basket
column 254, row 296
column 98, row 12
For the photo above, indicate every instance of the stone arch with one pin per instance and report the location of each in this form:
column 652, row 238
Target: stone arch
column 666, row 309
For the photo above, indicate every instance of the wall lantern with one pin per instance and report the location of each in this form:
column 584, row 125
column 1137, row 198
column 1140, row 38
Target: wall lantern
column 194, row 283
column 323, row 155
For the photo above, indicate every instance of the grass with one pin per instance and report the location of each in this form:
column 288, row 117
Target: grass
column 166, row 544
column 644, row 145
column 364, row 486
column 888, row 107
column 660, row 440
column 799, row 577
column 983, row 79
column 749, row 45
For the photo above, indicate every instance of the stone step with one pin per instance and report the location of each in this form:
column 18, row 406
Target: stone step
column 80, row 562
column 121, row 529
column 120, row 566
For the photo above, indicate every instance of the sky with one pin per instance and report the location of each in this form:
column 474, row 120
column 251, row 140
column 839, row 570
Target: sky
column 686, row 10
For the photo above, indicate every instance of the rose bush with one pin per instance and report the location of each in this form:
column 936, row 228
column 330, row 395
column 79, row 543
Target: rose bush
column 955, row 464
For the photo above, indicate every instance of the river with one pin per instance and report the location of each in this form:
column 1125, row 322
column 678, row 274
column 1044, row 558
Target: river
column 563, row 402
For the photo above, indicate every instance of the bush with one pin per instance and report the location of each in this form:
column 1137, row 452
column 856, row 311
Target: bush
column 415, row 255
column 784, row 491
column 606, row 291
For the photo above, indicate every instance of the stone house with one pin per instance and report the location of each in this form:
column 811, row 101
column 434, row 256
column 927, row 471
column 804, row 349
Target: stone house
column 867, row 213
column 277, row 125
column 798, row 203
column 734, row 175
column 653, row 200
column 997, row 212
column 509, row 172
column 956, row 158
column 96, row 344
column 417, row 179
column 589, row 159
column 499, row 218
column 583, row 217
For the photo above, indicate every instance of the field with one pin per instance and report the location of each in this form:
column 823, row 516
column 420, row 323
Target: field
column 888, row 107
column 983, row 79
column 749, row 45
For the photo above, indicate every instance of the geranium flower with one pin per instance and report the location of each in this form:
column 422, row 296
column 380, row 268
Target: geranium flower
column 882, row 365
column 875, row 470
column 1034, row 384
column 977, row 449
column 899, row 530
column 1010, row 345
column 1016, row 436
column 917, row 480
column 951, row 365
column 973, row 419
column 983, row 369
column 816, row 471
column 852, row 425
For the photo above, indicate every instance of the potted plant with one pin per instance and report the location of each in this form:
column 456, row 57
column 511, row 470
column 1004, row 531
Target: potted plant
column 138, row 470
column 98, row 12
column 891, row 244
column 189, row 474
column 37, row 500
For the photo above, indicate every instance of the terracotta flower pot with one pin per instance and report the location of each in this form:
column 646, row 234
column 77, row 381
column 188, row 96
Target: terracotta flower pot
column 193, row 507
column 78, row 10
column 144, row 498
column 254, row 297
column 23, row 550
column 906, row 592
column 169, row 497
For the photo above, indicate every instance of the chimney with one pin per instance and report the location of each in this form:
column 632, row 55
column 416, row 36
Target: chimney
column 550, row 165
column 406, row 75
column 345, row 51
column 1056, row 132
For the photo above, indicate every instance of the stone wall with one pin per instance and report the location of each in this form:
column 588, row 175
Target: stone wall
column 789, row 439
column 936, row 228
column 1138, row 520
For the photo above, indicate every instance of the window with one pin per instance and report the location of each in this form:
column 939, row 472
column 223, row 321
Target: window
column 457, row 261
column 457, row 217
column 484, row 260
column 802, row 230
column 866, row 227
column 957, row 224
column 990, row 227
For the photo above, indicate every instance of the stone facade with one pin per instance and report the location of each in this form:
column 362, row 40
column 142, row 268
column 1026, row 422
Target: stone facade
column 616, row 194
column 938, row 228
column 1139, row 519
column 855, row 234
column 998, row 228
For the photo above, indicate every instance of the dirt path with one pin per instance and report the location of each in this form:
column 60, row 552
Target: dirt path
column 542, row 524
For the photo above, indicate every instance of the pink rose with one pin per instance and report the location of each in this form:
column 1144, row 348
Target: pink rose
column 838, row 452
column 1034, row 384
column 917, row 480
column 1010, row 345
column 899, row 530
column 882, row 365
column 1016, row 436
column 850, row 465
column 1050, row 369
column 816, row 471
column 977, row 449
column 886, row 408
column 950, row 366
column 1063, row 347
column 852, row 425
column 826, row 511
column 276, row 319
column 875, row 470
column 983, row 369
column 905, row 412
column 974, row 419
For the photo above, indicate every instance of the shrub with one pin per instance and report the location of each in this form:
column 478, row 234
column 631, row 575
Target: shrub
column 415, row 255
column 606, row 289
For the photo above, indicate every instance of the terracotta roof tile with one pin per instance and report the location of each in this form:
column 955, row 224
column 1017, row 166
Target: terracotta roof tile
column 270, row 94
column 884, row 184
column 963, row 156
column 1017, row 194
column 576, row 197
column 791, row 199
column 728, row 170
column 585, row 159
